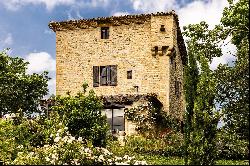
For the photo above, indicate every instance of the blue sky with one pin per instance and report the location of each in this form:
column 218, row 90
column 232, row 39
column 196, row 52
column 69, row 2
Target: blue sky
column 24, row 23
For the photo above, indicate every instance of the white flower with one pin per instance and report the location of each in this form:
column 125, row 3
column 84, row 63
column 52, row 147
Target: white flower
column 87, row 150
column 53, row 156
column 51, row 135
column 56, row 139
column 20, row 146
column 57, row 134
column 69, row 141
column 72, row 138
column 59, row 131
column 65, row 139
column 66, row 128
column 140, row 163
column 101, row 157
column 46, row 158
column 126, row 157
column 7, row 116
column 79, row 138
column 12, row 115
column 60, row 123
column 46, row 146
column 31, row 153
column 118, row 158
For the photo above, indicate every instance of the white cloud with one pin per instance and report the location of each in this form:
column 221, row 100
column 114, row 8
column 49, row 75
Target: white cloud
column 50, row 4
column 148, row 6
column 228, row 51
column 198, row 11
column 120, row 13
column 6, row 41
column 42, row 61
column 210, row 12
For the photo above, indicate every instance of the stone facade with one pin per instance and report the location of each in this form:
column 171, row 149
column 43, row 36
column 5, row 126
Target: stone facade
column 130, row 46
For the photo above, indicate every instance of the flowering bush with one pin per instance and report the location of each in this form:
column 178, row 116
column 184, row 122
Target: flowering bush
column 82, row 115
column 60, row 147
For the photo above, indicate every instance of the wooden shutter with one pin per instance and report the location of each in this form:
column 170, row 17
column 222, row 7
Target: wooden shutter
column 113, row 73
column 95, row 76
column 103, row 75
column 108, row 69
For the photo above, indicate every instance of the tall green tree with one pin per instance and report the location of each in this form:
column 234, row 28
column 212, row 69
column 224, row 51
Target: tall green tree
column 19, row 91
column 191, row 80
column 200, row 92
column 233, row 87
column 227, row 86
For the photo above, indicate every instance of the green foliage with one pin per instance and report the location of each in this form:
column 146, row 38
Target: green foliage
column 201, row 117
column 231, row 146
column 82, row 115
column 20, row 134
column 150, row 120
column 233, row 87
column 171, row 145
column 19, row 92
column 19, row 144
column 227, row 85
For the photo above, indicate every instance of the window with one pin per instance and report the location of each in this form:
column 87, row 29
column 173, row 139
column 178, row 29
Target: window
column 115, row 118
column 156, row 50
column 162, row 29
column 105, row 75
column 164, row 50
column 129, row 74
column 104, row 32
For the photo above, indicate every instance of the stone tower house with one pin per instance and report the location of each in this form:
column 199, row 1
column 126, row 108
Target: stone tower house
column 123, row 59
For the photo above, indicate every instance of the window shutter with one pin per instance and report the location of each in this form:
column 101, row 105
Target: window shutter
column 113, row 73
column 95, row 76
column 108, row 69
column 103, row 75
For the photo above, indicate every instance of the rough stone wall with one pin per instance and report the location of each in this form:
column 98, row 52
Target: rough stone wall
column 129, row 47
column 176, row 74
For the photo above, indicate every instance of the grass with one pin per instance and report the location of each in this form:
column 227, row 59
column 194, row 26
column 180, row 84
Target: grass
column 162, row 160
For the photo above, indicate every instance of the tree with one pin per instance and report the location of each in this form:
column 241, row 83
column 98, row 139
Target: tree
column 227, row 86
column 233, row 87
column 200, row 91
column 19, row 92
column 190, row 86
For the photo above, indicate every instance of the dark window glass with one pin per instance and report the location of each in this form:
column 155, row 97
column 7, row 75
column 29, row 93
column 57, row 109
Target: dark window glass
column 162, row 29
column 129, row 74
column 164, row 50
column 104, row 32
column 103, row 75
column 156, row 50
column 115, row 118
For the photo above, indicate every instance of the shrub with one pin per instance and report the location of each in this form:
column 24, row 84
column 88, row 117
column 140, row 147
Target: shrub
column 58, row 147
column 82, row 115
column 230, row 146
